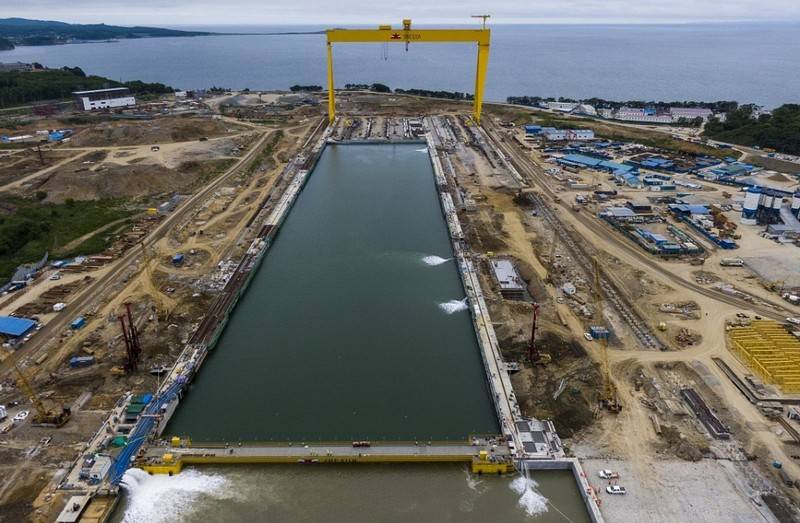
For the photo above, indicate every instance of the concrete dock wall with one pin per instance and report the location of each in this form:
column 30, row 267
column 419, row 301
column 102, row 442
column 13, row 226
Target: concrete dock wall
column 497, row 376
column 573, row 465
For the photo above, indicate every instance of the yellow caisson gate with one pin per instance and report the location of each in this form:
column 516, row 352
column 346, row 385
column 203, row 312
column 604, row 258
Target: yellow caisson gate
column 172, row 464
column 386, row 34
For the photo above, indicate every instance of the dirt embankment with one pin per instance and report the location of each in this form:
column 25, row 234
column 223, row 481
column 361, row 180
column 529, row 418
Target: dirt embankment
column 127, row 181
column 160, row 130
column 565, row 390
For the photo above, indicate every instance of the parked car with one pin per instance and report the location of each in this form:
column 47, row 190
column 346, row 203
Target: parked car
column 21, row 415
column 616, row 489
column 793, row 320
column 587, row 336
column 608, row 474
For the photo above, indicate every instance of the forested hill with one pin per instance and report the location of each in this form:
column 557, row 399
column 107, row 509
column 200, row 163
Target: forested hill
column 779, row 130
column 22, row 87
column 21, row 31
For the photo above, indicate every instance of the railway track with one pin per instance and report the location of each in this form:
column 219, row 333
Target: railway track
column 536, row 177
column 637, row 325
column 97, row 288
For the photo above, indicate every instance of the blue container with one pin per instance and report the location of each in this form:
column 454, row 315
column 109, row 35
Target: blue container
column 77, row 323
column 81, row 361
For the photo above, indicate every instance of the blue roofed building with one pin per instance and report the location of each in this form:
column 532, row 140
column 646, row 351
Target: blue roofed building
column 580, row 160
column 616, row 168
column 533, row 129
column 15, row 327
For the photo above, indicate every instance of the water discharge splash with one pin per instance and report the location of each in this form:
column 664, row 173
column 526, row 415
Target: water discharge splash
column 530, row 500
column 423, row 150
column 149, row 496
column 435, row 260
column 474, row 483
column 453, row 306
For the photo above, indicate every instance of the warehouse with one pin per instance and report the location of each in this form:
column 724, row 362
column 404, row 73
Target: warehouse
column 12, row 327
column 116, row 97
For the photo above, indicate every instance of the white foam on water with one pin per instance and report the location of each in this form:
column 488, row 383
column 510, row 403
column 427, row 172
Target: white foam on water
column 473, row 482
column 435, row 260
column 162, row 498
column 530, row 500
column 423, row 150
column 453, row 306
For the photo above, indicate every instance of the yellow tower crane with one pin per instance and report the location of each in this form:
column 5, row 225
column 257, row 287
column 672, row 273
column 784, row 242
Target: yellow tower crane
column 385, row 34
column 608, row 396
column 42, row 415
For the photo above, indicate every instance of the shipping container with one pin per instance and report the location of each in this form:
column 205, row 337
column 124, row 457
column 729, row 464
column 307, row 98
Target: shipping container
column 81, row 361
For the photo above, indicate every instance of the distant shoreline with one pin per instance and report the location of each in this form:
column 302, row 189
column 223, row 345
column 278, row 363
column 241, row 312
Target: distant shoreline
column 117, row 40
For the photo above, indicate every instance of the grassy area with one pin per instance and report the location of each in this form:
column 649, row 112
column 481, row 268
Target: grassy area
column 95, row 243
column 611, row 131
column 266, row 152
column 29, row 227
column 208, row 170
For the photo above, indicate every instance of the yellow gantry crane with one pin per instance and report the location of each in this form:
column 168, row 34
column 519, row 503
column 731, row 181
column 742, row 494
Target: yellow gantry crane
column 385, row 34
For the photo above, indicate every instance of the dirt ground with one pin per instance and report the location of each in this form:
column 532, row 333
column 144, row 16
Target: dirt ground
column 108, row 180
column 670, row 476
column 680, row 475
column 167, row 301
column 21, row 163
column 171, row 129
column 564, row 391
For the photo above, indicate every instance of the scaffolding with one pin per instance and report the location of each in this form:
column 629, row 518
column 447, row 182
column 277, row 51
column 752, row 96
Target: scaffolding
column 770, row 351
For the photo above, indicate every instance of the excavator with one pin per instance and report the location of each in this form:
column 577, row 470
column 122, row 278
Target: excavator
column 534, row 355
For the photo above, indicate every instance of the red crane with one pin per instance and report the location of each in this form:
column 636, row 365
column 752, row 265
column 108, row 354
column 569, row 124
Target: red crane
column 132, row 347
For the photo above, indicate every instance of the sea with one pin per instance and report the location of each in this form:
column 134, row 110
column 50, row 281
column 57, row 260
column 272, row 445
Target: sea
column 747, row 62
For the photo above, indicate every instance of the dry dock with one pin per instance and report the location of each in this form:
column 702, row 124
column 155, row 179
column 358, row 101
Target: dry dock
column 524, row 442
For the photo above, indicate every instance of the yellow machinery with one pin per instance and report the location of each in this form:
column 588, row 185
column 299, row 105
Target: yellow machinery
column 770, row 351
column 385, row 34
column 172, row 463
column 608, row 397
column 42, row 415
column 486, row 464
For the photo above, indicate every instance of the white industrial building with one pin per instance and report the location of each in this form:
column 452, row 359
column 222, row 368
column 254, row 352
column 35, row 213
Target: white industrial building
column 561, row 106
column 113, row 98
column 585, row 109
column 558, row 135
column 635, row 114
column 690, row 113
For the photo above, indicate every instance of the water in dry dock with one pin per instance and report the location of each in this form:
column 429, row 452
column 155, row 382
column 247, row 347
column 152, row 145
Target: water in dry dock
column 346, row 331
column 351, row 493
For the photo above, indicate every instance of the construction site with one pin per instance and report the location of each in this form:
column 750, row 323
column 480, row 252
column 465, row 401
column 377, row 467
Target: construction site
column 418, row 283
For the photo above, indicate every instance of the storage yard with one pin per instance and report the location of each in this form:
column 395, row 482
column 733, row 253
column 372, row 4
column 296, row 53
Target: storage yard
column 616, row 292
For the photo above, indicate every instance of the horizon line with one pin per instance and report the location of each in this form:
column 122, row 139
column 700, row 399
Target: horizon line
column 448, row 21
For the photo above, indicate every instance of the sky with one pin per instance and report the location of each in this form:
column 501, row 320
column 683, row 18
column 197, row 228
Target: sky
column 169, row 13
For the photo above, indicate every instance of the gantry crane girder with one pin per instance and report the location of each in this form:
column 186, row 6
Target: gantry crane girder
column 385, row 34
